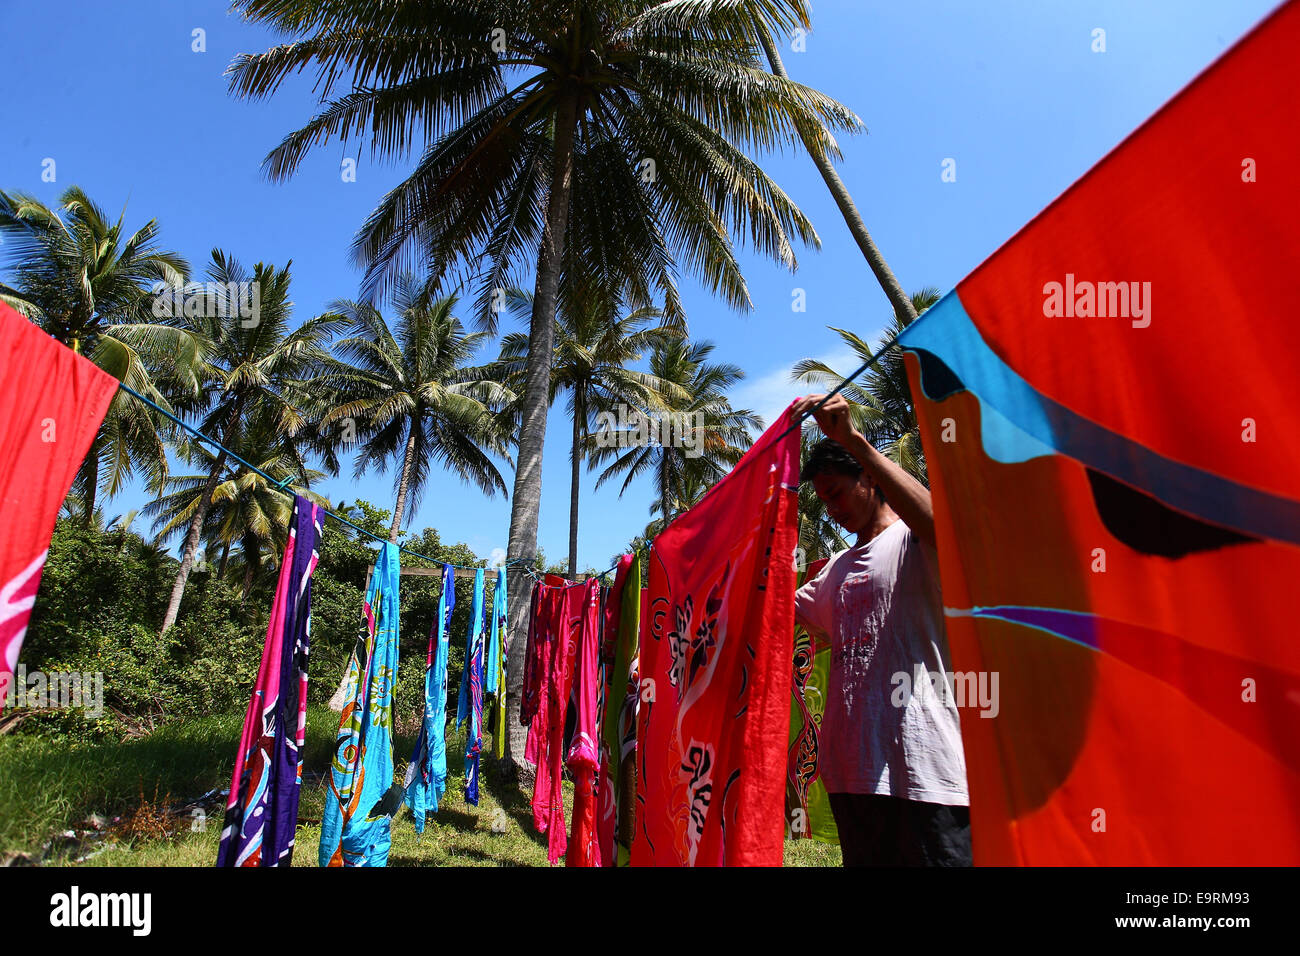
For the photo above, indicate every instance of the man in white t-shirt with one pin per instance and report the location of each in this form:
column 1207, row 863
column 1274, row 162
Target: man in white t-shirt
column 889, row 751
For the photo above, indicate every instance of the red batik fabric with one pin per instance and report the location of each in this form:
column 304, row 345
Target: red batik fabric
column 548, row 622
column 52, row 401
column 716, row 661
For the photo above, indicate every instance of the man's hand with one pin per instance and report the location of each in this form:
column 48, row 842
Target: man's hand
column 832, row 418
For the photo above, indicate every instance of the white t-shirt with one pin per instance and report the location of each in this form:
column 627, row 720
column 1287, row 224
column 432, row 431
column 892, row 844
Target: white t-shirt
column 878, row 605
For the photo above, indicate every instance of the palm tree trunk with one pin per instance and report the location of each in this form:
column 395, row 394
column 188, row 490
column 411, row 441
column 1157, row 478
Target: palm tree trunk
column 192, row 542
column 579, row 416
column 532, row 433
column 225, row 556
column 400, row 508
column 92, row 456
column 196, row 524
column 848, row 209
column 92, row 482
column 665, row 485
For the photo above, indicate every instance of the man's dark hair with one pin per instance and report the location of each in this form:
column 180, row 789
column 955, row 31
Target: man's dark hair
column 829, row 458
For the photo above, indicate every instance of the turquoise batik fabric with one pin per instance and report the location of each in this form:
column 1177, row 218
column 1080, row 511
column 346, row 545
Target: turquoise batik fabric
column 426, row 774
column 496, row 666
column 495, row 632
column 361, row 801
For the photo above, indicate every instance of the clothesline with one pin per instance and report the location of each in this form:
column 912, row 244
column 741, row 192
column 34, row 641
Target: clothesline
column 523, row 563
column 585, row 577
column 279, row 485
column 754, row 453
column 838, row 388
column 581, row 671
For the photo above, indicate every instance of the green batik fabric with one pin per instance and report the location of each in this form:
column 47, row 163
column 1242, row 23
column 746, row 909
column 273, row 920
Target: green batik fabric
column 618, row 726
column 808, row 807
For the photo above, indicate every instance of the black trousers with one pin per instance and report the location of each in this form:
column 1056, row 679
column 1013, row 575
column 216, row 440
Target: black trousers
column 880, row 830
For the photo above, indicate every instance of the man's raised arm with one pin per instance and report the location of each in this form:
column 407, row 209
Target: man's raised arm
column 908, row 497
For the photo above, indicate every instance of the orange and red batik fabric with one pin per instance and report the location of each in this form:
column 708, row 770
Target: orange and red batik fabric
column 52, row 401
column 1108, row 411
column 716, row 658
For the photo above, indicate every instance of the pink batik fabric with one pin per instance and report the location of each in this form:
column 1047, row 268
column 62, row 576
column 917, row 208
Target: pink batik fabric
column 547, row 731
column 583, row 759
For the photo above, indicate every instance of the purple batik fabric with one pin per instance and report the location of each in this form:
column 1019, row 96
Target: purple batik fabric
column 262, row 809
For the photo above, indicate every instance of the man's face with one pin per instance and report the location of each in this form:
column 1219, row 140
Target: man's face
column 850, row 501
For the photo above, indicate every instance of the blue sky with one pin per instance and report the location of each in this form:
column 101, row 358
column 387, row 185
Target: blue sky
column 1013, row 92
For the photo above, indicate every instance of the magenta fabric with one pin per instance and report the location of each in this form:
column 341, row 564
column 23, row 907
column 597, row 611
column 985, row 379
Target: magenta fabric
column 545, row 624
column 583, row 758
column 547, row 732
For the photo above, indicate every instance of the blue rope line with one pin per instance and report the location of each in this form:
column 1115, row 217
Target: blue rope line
column 514, row 562
column 280, row 485
column 852, row 375
column 752, row 454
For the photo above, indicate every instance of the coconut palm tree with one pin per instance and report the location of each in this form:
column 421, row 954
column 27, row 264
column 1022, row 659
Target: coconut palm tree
column 90, row 284
column 599, row 140
column 839, row 192
column 881, row 406
column 595, row 342
column 686, row 495
column 694, row 398
column 408, row 393
column 247, row 510
column 259, row 371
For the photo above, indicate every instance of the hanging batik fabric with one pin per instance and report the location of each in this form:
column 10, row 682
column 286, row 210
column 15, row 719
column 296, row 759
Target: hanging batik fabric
column 470, row 705
column 492, row 657
column 534, row 664
column 559, row 623
column 622, row 620
column 808, row 806
column 362, row 797
column 495, row 678
column 546, row 626
column 716, row 653
column 53, row 401
column 1118, row 548
column 583, row 755
column 426, row 774
column 262, row 809
column 625, row 819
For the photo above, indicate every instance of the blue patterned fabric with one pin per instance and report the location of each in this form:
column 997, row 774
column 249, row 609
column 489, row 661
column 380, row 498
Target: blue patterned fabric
column 426, row 775
column 361, row 801
column 470, row 705
column 493, row 663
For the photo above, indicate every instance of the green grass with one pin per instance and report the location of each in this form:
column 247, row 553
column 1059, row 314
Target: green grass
column 46, row 788
column 812, row 853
